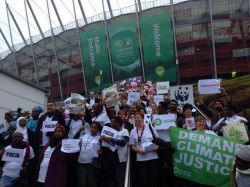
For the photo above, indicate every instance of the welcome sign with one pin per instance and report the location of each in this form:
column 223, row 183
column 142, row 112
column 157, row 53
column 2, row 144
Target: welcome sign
column 203, row 158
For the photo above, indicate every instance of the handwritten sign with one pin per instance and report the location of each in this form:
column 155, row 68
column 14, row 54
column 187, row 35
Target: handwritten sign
column 163, row 122
column 162, row 87
column 158, row 99
column 70, row 146
column 109, row 132
column 209, row 86
column 13, row 155
column 133, row 96
column 49, row 126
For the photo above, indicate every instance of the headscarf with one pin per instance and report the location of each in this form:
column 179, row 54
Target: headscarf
column 22, row 130
column 38, row 109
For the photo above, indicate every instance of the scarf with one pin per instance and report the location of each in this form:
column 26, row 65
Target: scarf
column 22, row 130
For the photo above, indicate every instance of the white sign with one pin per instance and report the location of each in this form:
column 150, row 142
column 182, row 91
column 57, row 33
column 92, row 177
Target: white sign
column 70, row 145
column 183, row 94
column 163, row 122
column 49, row 126
column 162, row 87
column 76, row 100
column 209, row 86
column 13, row 155
column 2, row 128
column 158, row 99
column 190, row 123
column 133, row 96
column 109, row 132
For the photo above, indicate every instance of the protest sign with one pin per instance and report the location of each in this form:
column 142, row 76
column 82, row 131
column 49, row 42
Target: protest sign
column 76, row 100
column 183, row 94
column 236, row 130
column 203, row 158
column 162, row 87
column 111, row 96
column 158, row 99
column 133, row 96
column 2, row 128
column 13, row 155
column 70, row 145
column 49, row 126
column 165, row 121
column 190, row 123
column 109, row 132
column 209, row 86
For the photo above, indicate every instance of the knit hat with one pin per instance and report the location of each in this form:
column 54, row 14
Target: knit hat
column 38, row 109
column 244, row 153
column 62, row 129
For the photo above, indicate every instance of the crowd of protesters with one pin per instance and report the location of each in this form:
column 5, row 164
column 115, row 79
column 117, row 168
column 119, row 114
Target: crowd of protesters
column 45, row 165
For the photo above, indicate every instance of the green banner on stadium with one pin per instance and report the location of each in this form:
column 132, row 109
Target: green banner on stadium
column 158, row 47
column 95, row 59
column 124, row 50
column 203, row 158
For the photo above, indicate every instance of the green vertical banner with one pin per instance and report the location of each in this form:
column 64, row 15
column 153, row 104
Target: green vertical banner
column 124, row 50
column 158, row 47
column 95, row 59
column 203, row 158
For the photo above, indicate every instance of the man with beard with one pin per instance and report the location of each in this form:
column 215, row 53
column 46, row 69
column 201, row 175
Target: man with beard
column 100, row 115
column 53, row 163
column 52, row 115
column 216, row 113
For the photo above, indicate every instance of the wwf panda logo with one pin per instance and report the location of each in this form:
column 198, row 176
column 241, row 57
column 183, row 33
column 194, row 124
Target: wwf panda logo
column 182, row 94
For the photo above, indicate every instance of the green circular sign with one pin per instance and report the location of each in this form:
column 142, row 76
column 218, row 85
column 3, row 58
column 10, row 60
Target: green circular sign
column 157, row 122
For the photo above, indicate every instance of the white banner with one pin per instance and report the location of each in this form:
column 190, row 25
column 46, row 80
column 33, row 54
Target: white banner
column 209, row 86
column 13, row 155
column 162, row 87
column 109, row 132
column 163, row 122
column 183, row 94
column 49, row 126
column 70, row 145
column 133, row 96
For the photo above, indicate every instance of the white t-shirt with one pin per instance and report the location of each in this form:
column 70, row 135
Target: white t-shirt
column 74, row 127
column 146, row 140
column 102, row 119
column 12, row 169
column 122, row 151
column 89, row 148
column 45, row 164
column 45, row 139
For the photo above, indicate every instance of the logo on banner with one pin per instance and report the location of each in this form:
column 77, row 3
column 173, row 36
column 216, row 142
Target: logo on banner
column 158, row 122
column 183, row 94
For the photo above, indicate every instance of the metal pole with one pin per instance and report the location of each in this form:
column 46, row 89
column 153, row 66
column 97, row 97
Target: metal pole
column 212, row 38
column 57, row 15
column 31, row 44
column 110, row 8
column 108, row 44
column 83, row 13
column 54, row 47
column 11, row 38
column 34, row 16
column 175, row 45
column 140, row 42
column 79, row 43
column 6, row 41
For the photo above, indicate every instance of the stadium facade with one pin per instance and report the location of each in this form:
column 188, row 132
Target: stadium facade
column 208, row 39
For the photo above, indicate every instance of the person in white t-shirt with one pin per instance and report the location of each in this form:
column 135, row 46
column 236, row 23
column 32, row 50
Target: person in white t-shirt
column 121, row 141
column 100, row 115
column 12, row 169
column 146, row 165
column 87, row 173
column 200, row 123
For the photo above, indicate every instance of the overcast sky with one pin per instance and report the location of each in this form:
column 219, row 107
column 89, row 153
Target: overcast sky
column 65, row 9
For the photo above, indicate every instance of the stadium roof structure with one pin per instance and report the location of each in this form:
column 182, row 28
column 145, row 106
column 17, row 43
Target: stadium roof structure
column 28, row 21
